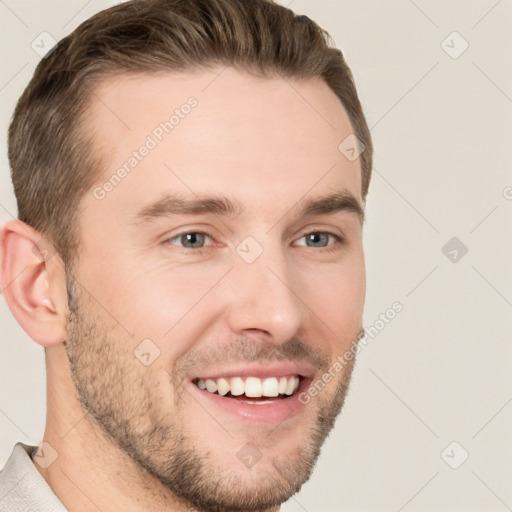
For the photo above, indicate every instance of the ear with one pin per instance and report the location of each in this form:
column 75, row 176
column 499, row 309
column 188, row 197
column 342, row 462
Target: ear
column 33, row 280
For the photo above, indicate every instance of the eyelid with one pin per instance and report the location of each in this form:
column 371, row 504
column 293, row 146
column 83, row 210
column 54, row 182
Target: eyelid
column 336, row 232
column 184, row 229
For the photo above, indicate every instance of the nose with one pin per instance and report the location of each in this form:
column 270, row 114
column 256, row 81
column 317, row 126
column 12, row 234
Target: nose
column 264, row 300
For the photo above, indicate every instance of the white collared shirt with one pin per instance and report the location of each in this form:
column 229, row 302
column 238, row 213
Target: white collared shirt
column 22, row 488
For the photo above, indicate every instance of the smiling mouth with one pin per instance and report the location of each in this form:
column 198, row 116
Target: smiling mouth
column 253, row 390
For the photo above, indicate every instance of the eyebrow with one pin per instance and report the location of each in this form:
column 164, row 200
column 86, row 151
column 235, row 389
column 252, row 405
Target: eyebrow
column 219, row 205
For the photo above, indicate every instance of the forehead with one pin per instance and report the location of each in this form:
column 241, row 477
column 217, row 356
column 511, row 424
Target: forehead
column 218, row 131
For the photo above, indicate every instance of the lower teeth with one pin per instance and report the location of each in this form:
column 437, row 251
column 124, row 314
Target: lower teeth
column 259, row 402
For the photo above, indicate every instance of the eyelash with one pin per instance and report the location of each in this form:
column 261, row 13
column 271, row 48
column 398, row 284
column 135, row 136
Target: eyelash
column 338, row 241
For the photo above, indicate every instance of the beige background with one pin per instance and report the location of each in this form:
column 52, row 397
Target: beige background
column 440, row 371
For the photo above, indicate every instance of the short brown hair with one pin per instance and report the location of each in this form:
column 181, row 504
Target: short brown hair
column 52, row 162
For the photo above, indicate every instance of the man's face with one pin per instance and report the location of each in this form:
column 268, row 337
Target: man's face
column 259, row 298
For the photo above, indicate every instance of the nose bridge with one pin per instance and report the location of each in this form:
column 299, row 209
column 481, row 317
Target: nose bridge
column 263, row 295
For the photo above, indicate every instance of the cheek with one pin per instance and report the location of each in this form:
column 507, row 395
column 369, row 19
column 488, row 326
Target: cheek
column 337, row 297
column 172, row 307
column 171, row 294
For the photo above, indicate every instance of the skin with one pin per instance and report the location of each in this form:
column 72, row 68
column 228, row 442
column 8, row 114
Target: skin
column 121, row 428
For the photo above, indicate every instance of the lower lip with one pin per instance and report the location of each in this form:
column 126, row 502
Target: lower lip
column 275, row 412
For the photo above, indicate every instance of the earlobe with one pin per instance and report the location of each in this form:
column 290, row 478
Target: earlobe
column 32, row 277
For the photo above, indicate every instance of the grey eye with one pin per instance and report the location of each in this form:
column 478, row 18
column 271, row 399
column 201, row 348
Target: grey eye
column 317, row 239
column 190, row 240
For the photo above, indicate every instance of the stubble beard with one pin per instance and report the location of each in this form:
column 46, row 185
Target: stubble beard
column 114, row 389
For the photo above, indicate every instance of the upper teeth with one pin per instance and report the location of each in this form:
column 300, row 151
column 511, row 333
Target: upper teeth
column 251, row 386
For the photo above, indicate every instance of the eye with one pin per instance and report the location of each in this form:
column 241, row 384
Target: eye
column 190, row 240
column 320, row 239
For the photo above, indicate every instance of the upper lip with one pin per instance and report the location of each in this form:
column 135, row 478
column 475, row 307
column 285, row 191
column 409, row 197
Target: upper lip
column 280, row 369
